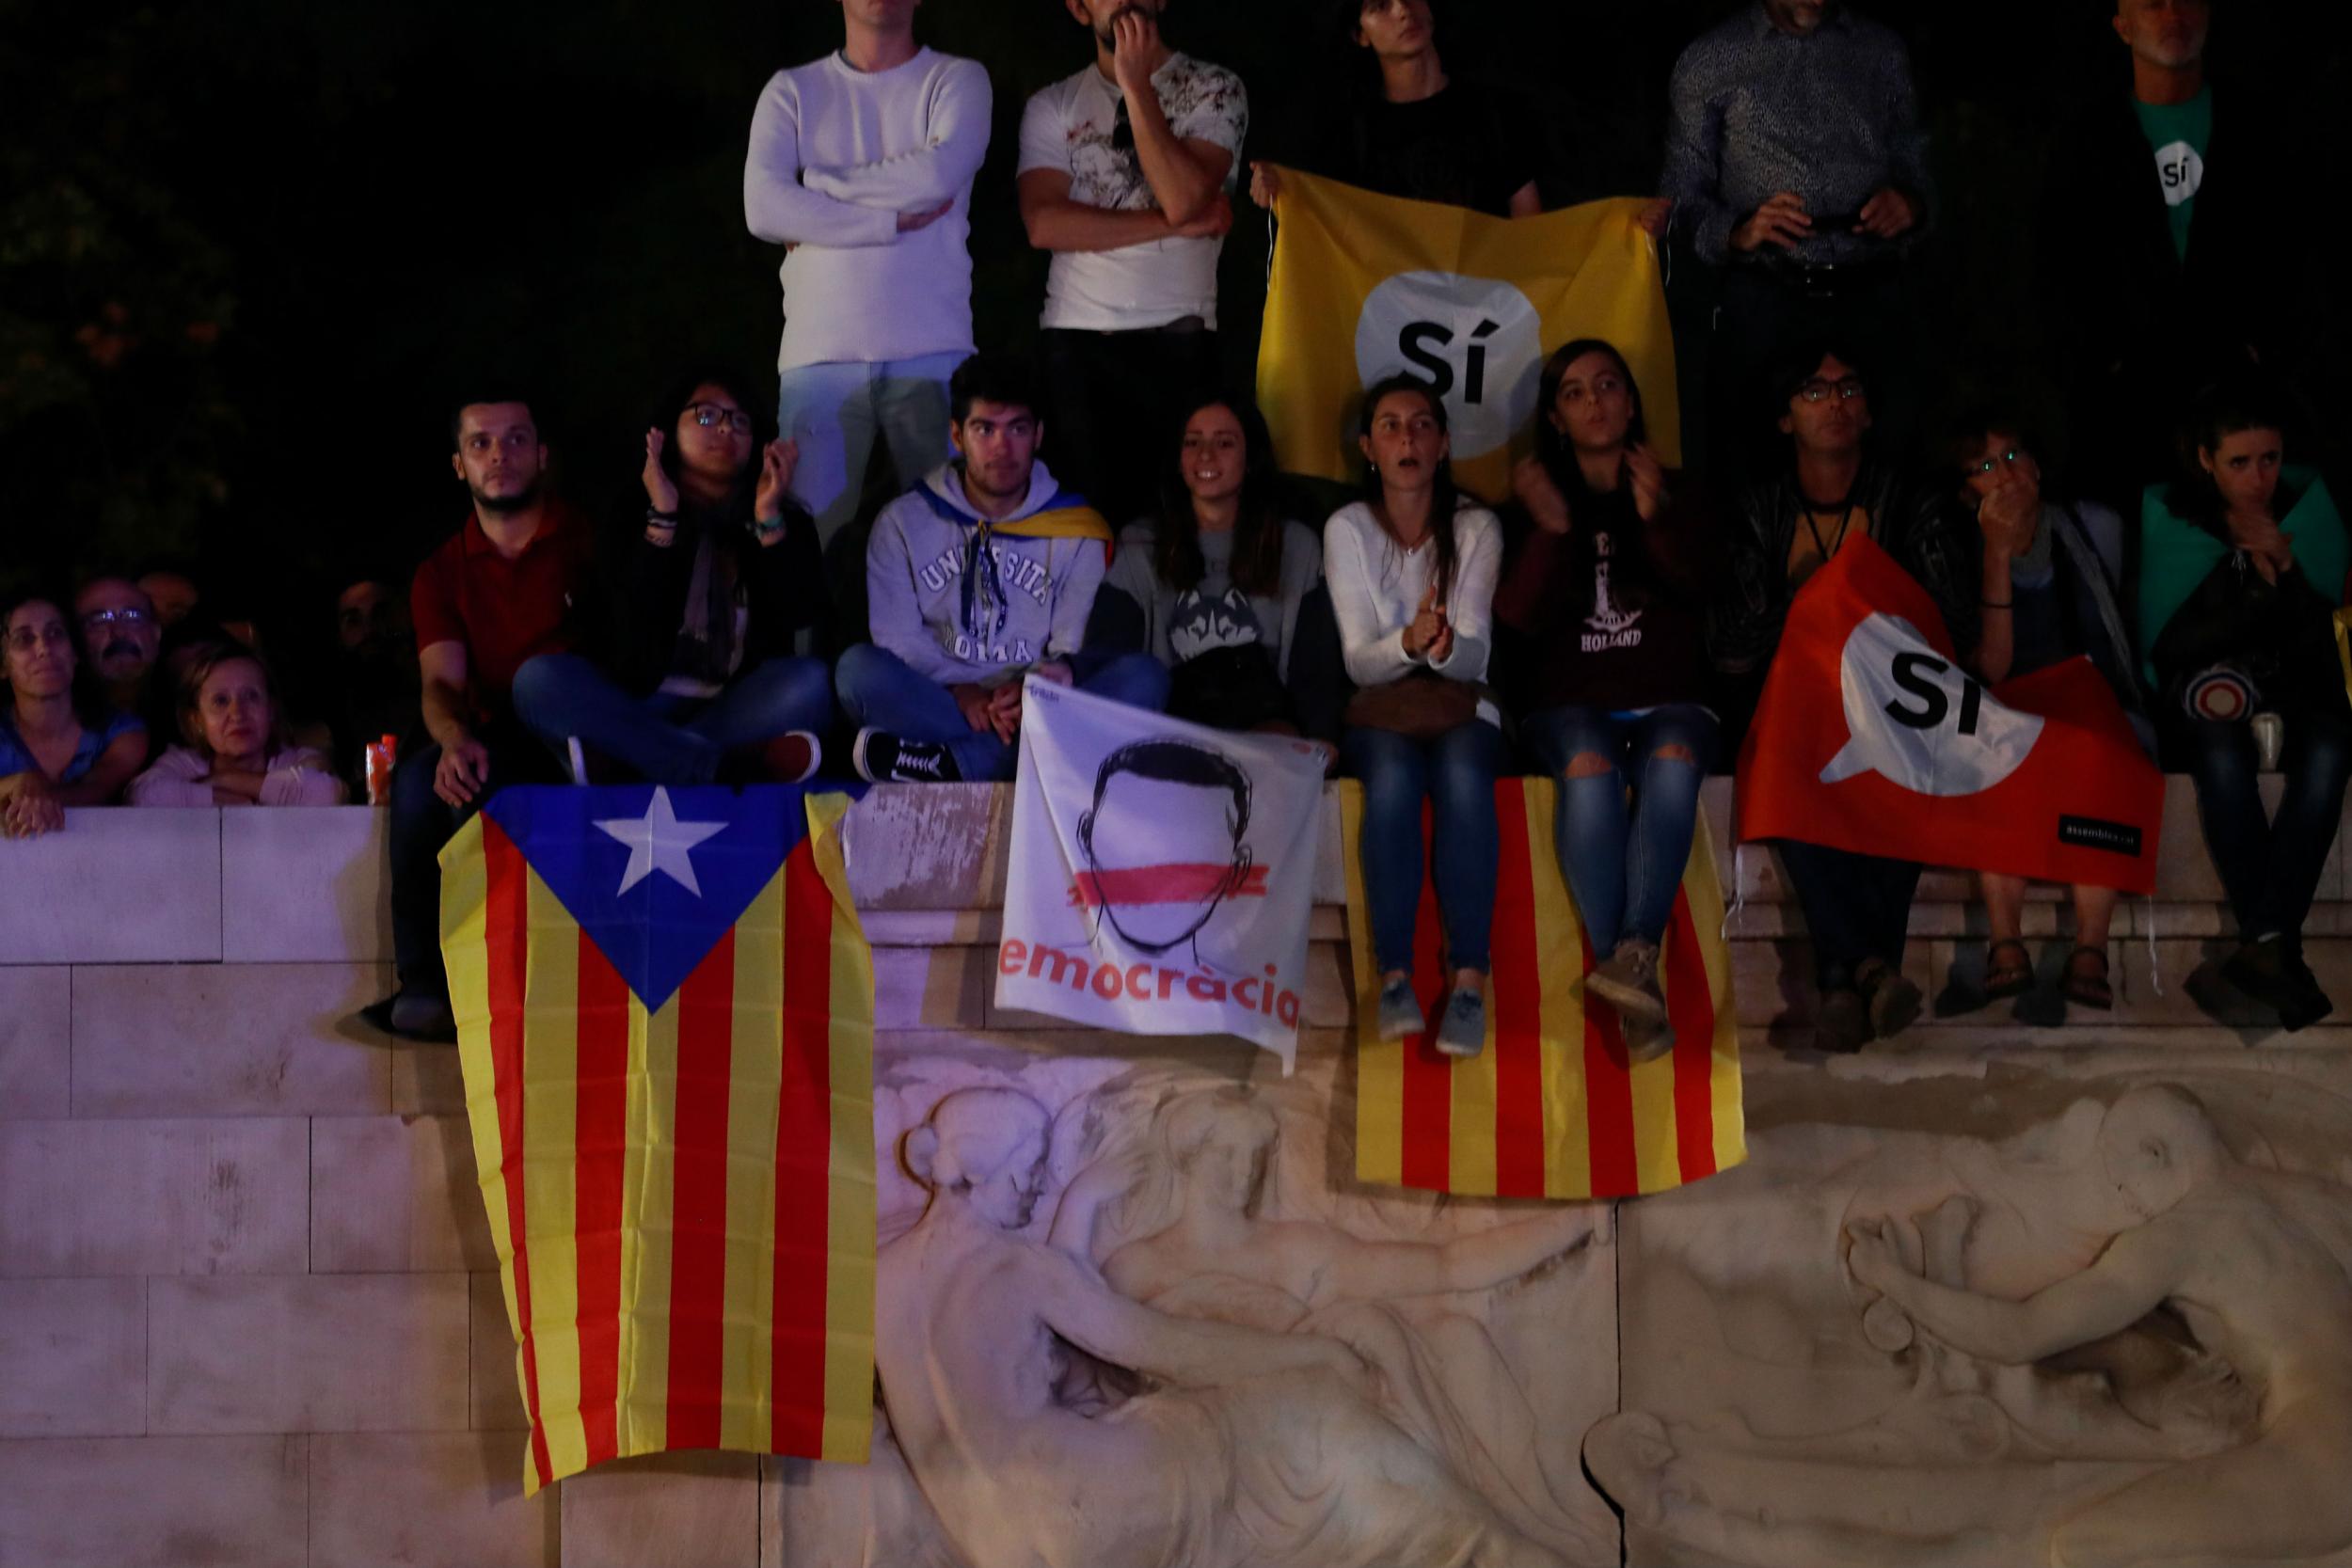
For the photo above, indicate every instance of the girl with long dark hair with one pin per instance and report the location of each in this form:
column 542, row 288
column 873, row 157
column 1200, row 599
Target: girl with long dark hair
column 1611, row 589
column 1412, row 570
column 724, row 574
column 1211, row 587
column 59, row 744
column 2242, row 567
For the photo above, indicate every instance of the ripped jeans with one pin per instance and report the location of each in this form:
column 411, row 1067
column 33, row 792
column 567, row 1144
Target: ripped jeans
column 1624, row 858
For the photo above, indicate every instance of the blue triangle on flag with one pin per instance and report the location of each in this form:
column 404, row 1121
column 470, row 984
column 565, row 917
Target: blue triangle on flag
column 653, row 876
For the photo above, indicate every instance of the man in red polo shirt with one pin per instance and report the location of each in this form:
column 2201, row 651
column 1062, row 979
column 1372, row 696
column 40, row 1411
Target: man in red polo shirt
column 495, row 594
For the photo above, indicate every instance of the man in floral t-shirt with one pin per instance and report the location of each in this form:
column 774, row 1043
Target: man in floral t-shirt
column 1125, row 174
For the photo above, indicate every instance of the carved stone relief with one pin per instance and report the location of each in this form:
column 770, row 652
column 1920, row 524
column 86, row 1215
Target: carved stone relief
column 1144, row 1315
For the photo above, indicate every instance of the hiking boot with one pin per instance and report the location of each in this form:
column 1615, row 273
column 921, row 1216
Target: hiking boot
column 1400, row 1011
column 1646, row 1041
column 1628, row 982
column 1842, row 1026
column 1892, row 1001
column 882, row 758
column 1463, row 1030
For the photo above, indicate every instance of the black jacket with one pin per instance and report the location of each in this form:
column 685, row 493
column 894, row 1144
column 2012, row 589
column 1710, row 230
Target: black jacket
column 784, row 591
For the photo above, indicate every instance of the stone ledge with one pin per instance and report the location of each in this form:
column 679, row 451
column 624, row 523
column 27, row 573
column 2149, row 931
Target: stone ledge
column 927, row 863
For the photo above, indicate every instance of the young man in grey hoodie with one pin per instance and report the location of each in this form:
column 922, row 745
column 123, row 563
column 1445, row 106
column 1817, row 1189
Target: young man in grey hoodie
column 981, row 575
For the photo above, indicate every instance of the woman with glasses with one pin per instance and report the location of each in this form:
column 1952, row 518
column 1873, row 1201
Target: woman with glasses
column 2242, row 567
column 59, row 747
column 724, row 576
column 2051, row 591
column 1609, row 591
column 1412, row 569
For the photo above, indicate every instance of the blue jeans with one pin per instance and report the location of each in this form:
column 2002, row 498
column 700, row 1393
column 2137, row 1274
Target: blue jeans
column 880, row 689
column 1625, row 863
column 1457, row 772
column 665, row 738
column 2270, row 866
column 836, row 411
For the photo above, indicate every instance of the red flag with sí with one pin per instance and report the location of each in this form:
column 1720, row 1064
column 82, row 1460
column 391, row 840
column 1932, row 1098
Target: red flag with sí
column 1870, row 737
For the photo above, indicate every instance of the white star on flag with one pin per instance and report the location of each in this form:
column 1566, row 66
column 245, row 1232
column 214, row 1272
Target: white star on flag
column 659, row 842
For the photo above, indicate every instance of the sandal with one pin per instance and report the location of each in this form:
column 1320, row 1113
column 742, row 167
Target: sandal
column 2012, row 977
column 2090, row 989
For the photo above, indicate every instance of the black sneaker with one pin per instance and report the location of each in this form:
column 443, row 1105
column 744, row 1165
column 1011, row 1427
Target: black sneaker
column 2259, row 970
column 882, row 758
column 2303, row 1002
column 413, row 1015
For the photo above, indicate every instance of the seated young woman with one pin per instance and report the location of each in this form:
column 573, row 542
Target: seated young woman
column 2052, row 591
column 1412, row 570
column 59, row 745
column 1609, row 589
column 234, row 749
column 1212, row 586
column 711, row 594
column 2242, row 567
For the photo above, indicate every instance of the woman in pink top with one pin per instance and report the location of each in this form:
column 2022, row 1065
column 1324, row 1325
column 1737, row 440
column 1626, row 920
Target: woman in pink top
column 236, row 753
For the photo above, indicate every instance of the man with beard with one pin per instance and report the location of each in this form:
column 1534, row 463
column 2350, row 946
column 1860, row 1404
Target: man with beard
column 1799, row 170
column 496, row 593
column 1125, row 174
column 122, row 642
column 2163, row 263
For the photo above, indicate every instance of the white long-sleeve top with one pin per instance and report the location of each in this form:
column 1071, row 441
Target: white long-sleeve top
column 1377, row 590
column 296, row 776
column 837, row 155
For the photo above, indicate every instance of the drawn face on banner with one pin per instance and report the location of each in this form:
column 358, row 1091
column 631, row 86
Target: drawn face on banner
column 1921, row 720
column 1164, row 841
column 1476, row 341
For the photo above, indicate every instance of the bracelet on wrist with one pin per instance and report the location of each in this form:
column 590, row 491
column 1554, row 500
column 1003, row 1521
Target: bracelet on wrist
column 655, row 518
column 767, row 528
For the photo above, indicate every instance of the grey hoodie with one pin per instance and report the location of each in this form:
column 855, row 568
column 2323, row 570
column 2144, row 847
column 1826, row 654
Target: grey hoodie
column 926, row 604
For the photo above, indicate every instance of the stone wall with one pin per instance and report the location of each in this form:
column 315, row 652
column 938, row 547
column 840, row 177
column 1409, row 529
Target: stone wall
column 249, row 1309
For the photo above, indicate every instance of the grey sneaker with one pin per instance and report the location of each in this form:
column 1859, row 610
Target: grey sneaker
column 1646, row 1041
column 1628, row 982
column 1463, row 1030
column 1400, row 1011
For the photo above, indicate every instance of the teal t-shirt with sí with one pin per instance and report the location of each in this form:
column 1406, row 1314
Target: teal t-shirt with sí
column 2179, row 134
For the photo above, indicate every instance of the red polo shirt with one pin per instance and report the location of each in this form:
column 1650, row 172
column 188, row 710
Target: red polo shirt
column 503, row 611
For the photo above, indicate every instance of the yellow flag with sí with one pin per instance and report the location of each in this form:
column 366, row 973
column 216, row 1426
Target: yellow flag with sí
column 1367, row 286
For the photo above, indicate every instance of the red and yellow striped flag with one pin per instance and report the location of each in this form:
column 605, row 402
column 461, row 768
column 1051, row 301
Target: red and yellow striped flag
column 665, row 1015
column 1551, row 1108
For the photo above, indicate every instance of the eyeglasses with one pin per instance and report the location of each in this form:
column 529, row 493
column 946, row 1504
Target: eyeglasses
column 23, row 639
column 2008, row 459
column 1122, row 131
column 718, row 415
column 99, row 620
column 1819, row 389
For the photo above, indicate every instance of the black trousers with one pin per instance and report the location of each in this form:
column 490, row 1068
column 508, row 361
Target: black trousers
column 1116, row 403
column 421, row 822
column 1857, row 906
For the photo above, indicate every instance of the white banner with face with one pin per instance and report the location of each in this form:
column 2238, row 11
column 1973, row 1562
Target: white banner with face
column 1162, row 873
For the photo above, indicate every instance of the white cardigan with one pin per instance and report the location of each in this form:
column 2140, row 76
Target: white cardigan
column 1377, row 590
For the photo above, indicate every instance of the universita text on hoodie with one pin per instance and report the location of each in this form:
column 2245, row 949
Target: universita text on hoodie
column 965, row 599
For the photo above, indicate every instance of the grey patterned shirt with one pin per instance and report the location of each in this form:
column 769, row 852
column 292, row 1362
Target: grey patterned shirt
column 1831, row 115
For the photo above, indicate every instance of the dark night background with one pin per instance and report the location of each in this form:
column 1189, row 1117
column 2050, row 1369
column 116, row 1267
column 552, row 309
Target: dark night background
column 251, row 249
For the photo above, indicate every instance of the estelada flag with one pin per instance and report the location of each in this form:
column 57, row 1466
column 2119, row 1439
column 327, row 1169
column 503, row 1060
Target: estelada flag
column 1870, row 737
column 1365, row 286
column 665, row 1019
column 1551, row 1108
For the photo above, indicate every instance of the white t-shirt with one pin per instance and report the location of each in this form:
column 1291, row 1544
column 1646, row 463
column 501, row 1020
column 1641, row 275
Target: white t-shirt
column 1067, row 128
column 837, row 155
column 1377, row 590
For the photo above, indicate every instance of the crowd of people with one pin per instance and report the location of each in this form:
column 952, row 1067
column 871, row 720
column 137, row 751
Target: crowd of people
column 1609, row 623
